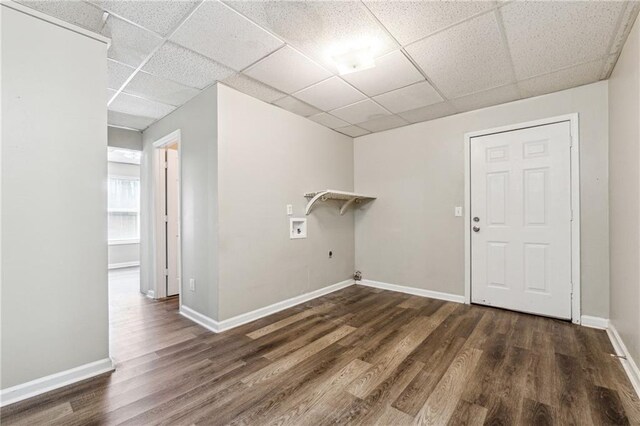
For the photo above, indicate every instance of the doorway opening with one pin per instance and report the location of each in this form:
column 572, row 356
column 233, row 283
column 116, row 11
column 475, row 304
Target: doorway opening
column 522, row 218
column 123, row 218
column 167, row 214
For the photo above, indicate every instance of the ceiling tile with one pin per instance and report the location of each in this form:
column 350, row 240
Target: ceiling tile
column 117, row 74
column 129, row 44
column 138, row 106
column 217, row 32
column 296, row 106
column 321, row 29
column 430, row 112
column 410, row 97
column 392, row 71
column 609, row 64
column 158, row 16
column 328, row 120
column 409, row 21
column 110, row 94
column 546, row 36
column 560, row 80
column 184, row 66
column 121, row 119
column 75, row 12
column 160, row 89
column 353, row 131
column 330, row 94
column 361, row 111
column 383, row 123
column 496, row 96
column 465, row 59
column 287, row 70
column 629, row 16
column 253, row 88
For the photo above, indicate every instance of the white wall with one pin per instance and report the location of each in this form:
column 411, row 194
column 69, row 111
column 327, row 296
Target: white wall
column 409, row 235
column 268, row 158
column 624, row 193
column 54, row 229
column 197, row 120
column 124, row 138
column 123, row 253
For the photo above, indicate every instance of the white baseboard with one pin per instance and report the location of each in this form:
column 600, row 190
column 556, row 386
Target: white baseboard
column 123, row 265
column 54, row 381
column 414, row 291
column 629, row 365
column 199, row 318
column 594, row 322
column 219, row 326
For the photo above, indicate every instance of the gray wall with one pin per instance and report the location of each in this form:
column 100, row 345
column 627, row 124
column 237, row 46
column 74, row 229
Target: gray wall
column 54, row 169
column 624, row 193
column 123, row 253
column 268, row 158
column 197, row 120
column 124, row 138
column 409, row 236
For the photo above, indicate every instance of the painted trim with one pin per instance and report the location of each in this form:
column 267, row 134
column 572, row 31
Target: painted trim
column 151, row 294
column 199, row 318
column 123, row 242
column 629, row 365
column 594, row 322
column 158, row 235
column 54, row 381
column 573, row 119
column 173, row 137
column 55, row 21
column 238, row 320
column 123, row 265
column 414, row 291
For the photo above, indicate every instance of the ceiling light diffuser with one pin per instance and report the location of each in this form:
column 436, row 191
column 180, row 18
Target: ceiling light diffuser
column 354, row 60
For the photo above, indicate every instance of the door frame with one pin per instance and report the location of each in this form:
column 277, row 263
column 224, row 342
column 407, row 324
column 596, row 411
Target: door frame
column 573, row 119
column 158, row 240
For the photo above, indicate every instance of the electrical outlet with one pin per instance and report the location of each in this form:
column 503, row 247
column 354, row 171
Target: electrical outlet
column 192, row 284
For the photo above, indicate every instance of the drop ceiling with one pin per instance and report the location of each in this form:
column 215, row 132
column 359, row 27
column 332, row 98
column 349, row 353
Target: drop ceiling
column 433, row 58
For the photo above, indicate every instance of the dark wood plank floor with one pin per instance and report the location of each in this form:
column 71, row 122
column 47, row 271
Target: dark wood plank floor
column 357, row 356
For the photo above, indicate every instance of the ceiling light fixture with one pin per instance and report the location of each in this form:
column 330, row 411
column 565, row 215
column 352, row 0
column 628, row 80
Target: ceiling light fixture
column 354, row 60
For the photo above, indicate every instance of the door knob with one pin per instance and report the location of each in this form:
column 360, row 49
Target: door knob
column 476, row 229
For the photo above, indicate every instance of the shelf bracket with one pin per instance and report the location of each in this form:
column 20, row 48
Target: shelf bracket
column 346, row 205
column 316, row 197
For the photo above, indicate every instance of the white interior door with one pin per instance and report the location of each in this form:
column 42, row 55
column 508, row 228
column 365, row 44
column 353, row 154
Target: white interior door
column 521, row 220
column 172, row 223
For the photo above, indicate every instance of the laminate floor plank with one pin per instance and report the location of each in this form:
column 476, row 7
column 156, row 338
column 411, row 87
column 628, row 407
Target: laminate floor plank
column 358, row 356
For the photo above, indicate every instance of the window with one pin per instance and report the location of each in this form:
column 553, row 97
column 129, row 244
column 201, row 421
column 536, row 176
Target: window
column 124, row 209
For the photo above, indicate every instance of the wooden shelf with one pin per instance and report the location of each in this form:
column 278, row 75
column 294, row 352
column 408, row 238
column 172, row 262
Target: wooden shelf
column 349, row 198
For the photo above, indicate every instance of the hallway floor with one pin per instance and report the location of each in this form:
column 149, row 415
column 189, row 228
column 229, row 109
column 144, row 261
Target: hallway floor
column 357, row 356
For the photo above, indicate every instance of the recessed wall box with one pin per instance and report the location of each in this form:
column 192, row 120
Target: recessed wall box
column 297, row 228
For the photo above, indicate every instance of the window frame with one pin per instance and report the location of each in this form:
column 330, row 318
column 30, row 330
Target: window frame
column 124, row 241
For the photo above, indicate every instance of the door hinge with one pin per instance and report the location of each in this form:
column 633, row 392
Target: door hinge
column 571, row 215
column 166, row 218
column 166, row 165
column 166, row 272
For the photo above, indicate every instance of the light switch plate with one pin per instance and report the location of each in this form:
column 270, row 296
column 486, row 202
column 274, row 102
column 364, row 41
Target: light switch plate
column 289, row 209
column 458, row 211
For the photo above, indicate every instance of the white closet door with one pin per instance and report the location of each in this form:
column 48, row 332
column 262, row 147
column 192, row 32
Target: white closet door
column 173, row 276
column 521, row 219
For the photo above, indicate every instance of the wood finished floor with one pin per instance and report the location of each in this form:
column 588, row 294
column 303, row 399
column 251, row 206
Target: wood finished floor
column 357, row 356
